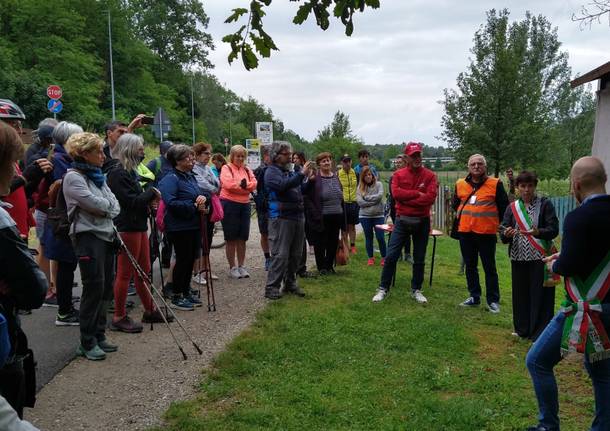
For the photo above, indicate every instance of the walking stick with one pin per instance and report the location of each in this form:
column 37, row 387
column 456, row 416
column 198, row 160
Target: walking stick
column 157, row 255
column 206, row 262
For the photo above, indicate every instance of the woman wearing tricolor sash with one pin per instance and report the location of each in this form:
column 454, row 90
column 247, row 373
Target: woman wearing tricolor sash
column 583, row 322
column 529, row 227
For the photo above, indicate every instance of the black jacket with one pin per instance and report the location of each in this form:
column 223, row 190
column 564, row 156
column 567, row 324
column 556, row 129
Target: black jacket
column 548, row 224
column 133, row 200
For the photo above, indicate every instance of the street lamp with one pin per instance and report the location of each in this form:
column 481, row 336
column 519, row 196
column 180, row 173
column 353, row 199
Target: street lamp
column 230, row 107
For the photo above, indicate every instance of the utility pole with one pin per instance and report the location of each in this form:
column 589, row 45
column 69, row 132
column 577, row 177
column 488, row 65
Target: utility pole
column 193, row 108
column 111, row 67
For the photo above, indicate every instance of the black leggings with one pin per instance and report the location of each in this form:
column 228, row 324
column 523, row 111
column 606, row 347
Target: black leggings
column 325, row 245
column 186, row 245
column 64, row 281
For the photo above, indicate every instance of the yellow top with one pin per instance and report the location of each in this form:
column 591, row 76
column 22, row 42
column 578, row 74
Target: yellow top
column 349, row 183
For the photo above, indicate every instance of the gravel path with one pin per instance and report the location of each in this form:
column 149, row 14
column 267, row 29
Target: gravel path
column 132, row 388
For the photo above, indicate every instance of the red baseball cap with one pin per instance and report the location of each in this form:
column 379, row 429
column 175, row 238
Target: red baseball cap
column 412, row 148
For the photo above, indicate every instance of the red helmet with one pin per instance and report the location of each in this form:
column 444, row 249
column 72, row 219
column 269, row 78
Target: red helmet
column 9, row 110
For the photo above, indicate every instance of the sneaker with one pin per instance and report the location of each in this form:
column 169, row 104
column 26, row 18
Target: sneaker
column 181, row 304
column 107, row 347
column 272, row 294
column 470, row 302
column 213, row 276
column 493, row 307
column 195, row 302
column 95, row 354
column 199, row 278
column 127, row 325
column 307, row 274
column 267, row 263
column 131, row 289
column 419, row 297
column 156, row 317
column 323, row 272
column 50, row 301
column 353, row 249
column 196, row 293
column 382, row 263
column 234, row 273
column 371, row 261
column 409, row 258
column 296, row 290
column 380, row 295
column 243, row 272
column 70, row 319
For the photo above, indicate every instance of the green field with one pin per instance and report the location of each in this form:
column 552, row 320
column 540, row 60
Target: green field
column 336, row 361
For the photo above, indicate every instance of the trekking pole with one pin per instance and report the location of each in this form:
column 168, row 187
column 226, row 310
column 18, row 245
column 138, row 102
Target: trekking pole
column 146, row 280
column 157, row 251
column 206, row 262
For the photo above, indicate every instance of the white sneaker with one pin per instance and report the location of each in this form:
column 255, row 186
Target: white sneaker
column 381, row 293
column 213, row 276
column 234, row 273
column 419, row 297
column 243, row 272
column 199, row 278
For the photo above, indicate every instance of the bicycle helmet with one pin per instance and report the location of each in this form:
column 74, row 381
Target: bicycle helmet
column 9, row 110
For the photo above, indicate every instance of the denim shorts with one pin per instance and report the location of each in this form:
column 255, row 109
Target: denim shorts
column 41, row 220
column 236, row 221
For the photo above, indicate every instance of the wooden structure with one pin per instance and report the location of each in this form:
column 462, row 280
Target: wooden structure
column 601, row 136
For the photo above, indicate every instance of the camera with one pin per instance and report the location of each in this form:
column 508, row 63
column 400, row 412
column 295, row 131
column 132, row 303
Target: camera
column 148, row 120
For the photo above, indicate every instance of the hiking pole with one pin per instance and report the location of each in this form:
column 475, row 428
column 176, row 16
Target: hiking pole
column 146, row 280
column 156, row 235
column 206, row 262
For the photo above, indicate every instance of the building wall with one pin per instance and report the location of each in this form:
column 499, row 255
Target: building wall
column 601, row 137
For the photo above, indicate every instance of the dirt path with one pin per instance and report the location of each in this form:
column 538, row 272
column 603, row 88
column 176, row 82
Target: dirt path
column 132, row 388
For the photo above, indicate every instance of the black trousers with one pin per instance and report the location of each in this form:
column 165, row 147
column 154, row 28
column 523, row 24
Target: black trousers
column 96, row 260
column 64, row 281
column 472, row 246
column 186, row 245
column 326, row 242
column 533, row 304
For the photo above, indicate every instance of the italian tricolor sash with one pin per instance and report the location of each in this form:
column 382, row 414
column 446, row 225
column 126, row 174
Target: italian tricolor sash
column 545, row 247
column 583, row 330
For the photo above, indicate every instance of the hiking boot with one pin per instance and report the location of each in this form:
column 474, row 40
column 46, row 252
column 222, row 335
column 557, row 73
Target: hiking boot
column 95, row 354
column 272, row 294
column 243, row 272
column 470, row 302
column 50, row 301
column 181, row 304
column 107, row 347
column 371, row 261
column 194, row 301
column 70, row 319
column 156, row 317
column 234, row 273
column 419, row 297
column 126, row 324
column 380, row 295
column 493, row 307
column 296, row 290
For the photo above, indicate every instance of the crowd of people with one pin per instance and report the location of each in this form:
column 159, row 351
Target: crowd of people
column 98, row 207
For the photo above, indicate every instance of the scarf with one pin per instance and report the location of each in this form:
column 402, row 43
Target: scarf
column 583, row 331
column 93, row 173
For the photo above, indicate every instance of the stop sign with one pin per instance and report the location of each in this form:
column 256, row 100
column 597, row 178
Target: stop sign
column 54, row 92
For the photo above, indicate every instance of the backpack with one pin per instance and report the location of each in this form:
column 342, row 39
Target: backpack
column 57, row 217
column 261, row 199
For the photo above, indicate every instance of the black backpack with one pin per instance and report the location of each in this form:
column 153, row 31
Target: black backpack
column 57, row 216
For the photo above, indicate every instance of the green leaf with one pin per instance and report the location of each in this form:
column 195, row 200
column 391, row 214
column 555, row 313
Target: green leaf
column 302, row 14
column 349, row 28
column 261, row 45
column 238, row 12
column 248, row 57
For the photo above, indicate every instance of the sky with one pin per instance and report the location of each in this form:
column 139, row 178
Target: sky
column 390, row 74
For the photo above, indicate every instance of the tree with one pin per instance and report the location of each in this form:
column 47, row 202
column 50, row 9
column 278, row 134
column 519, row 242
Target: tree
column 251, row 39
column 337, row 138
column 507, row 102
column 592, row 12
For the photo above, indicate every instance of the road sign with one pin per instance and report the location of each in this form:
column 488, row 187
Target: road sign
column 54, row 92
column 162, row 125
column 264, row 132
column 55, row 106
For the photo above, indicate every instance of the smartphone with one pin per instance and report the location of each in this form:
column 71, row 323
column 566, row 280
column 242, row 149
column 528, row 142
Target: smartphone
column 148, row 120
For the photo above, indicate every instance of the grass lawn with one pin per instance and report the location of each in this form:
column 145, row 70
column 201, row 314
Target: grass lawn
column 335, row 360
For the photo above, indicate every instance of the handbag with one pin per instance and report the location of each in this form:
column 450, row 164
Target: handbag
column 217, row 212
column 455, row 234
column 341, row 255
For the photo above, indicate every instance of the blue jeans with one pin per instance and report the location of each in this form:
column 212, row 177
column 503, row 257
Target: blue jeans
column 541, row 359
column 368, row 227
column 419, row 233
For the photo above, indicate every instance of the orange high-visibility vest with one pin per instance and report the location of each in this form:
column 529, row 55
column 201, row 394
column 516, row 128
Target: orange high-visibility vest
column 480, row 214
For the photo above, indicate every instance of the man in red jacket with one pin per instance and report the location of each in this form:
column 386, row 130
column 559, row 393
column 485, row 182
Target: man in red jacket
column 414, row 190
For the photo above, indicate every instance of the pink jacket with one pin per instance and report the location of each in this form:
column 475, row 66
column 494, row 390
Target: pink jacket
column 230, row 178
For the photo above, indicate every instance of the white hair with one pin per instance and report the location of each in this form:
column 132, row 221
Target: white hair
column 477, row 156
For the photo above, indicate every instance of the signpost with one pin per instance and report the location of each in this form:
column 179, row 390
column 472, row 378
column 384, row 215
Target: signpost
column 54, row 105
column 254, row 153
column 162, row 126
column 264, row 132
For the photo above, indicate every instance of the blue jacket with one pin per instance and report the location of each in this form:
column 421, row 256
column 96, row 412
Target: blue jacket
column 159, row 166
column 283, row 188
column 179, row 190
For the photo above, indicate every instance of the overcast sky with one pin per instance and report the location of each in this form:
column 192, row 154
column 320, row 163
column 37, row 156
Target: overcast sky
column 390, row 75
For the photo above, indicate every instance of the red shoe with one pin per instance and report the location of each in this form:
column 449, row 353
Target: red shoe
column 353, row 249
column 371, row 261
column 382, row 261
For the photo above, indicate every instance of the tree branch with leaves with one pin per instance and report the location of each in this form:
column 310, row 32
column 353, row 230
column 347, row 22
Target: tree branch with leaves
column 251, row 41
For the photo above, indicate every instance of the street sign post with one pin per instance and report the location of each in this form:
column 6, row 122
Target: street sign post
column 54, row 92
column 162, row 126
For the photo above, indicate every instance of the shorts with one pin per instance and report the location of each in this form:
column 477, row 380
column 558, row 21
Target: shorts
column 41, row 220
column 352, row 211
column 236, row 221
column 263, row 222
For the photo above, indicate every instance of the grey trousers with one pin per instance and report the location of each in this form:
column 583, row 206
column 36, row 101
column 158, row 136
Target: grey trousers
column 286, row 246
